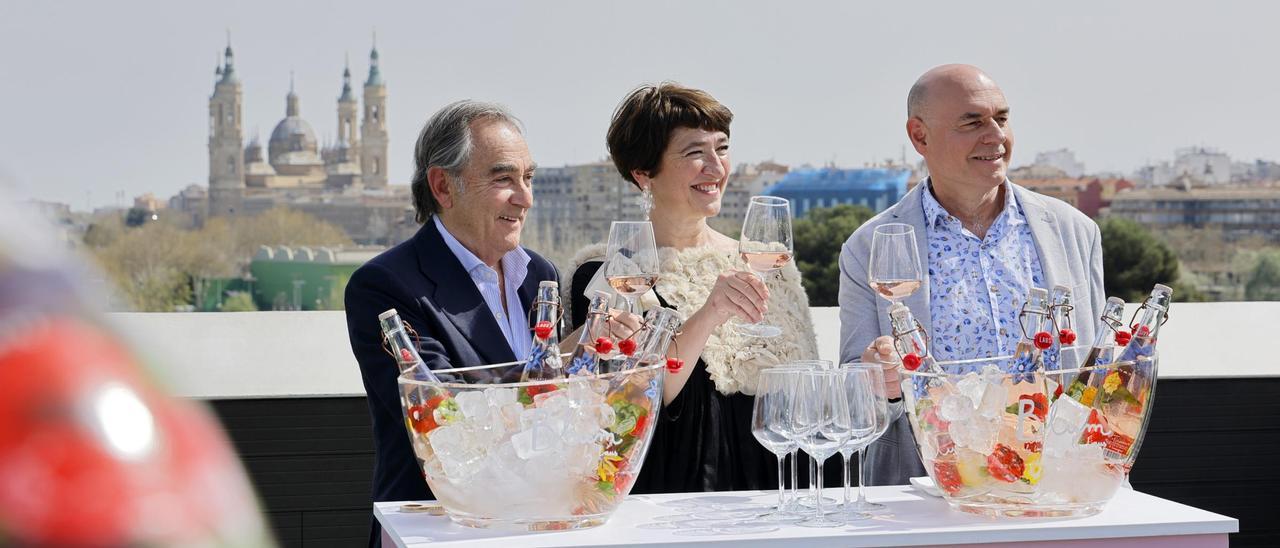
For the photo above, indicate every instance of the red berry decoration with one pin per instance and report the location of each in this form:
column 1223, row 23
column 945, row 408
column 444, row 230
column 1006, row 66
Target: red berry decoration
column 1043, row 340
column 604, row 345
column 911, row 361
column 1066, row 336
column 947, row 476
column 1143, row 331
column 422, row 419
column 542, row 329
column 627, row 347
column 406, row 356
column 1122, row 337
column 674, row 365
column 1004, row 464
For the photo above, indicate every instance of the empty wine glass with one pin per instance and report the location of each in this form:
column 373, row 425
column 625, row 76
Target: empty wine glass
column 765, row 245
column 769, row 423
column 858, row 509
column 894, row 269
column 822, row 421
column 631, row 261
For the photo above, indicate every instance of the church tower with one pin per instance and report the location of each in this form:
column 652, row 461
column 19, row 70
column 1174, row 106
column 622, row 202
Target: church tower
column 347, row 113
column 373, row 129
column 226, row 136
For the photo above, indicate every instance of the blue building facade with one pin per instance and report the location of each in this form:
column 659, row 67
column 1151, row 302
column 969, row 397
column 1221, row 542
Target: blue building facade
column 810, row 188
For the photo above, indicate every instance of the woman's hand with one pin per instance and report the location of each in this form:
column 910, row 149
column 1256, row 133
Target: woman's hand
column 622, row 324
column 736, row 293
column 881, row 351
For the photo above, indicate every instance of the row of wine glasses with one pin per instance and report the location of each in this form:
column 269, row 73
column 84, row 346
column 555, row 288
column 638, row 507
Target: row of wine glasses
column 822, row 412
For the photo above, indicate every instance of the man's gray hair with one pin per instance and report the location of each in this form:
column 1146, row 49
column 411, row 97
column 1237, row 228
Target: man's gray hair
column 445, row 142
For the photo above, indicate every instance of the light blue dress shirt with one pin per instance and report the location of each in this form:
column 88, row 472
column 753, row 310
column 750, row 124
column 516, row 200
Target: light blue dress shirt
column 515, row 267
column 978, row 286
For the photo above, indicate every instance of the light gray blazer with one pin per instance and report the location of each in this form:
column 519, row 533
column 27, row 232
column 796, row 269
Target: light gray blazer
column 1070, row 249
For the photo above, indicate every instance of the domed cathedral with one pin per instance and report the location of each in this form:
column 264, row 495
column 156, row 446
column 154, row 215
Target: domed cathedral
column 294, row 157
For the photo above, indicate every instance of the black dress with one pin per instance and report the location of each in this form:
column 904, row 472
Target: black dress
column 703, row 439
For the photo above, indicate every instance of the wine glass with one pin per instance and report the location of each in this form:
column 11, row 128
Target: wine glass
column 769, row 414
column 631, row 261
column 880, row 400
column 765, row 245
column 821, row 422
column 894, row 270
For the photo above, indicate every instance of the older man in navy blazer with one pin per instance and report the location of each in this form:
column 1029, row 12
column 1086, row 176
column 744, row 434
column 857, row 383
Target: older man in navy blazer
column 985, row 242
column 463, row 281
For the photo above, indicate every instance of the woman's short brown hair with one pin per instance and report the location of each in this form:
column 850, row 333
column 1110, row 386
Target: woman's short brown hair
column 641, row 127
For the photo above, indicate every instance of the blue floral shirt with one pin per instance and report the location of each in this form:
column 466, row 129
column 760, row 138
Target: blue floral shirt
column 978, row 286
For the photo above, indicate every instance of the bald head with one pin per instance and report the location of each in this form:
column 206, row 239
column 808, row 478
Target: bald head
column 944, row 81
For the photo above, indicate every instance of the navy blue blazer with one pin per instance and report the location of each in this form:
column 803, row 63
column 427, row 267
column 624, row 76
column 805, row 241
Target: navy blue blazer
column 423, row 280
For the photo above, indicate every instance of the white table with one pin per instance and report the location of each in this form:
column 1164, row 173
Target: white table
column 914, row 519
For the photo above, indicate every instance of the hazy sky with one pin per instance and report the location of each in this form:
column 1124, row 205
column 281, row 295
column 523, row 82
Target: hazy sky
column 99, row 98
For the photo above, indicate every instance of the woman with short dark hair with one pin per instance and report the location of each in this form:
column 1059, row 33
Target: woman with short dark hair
column 672, row 143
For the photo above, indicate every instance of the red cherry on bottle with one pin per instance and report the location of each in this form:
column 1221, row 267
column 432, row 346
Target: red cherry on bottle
column 1066, row 336
column 674, row 365
column 542, row 329
column 1122, row 337
column 627, row 347
column 604, row 345
column 911, row 361
column 1043, row 340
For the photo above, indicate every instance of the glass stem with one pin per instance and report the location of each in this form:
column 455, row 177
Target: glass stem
column 782, row 494
column 862, row 490
column 817, row 501
column 844, row 459
column 813, row 466
column 795, row 476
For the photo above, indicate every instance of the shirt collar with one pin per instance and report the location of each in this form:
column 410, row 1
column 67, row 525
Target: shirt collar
column 934, row 213
column 515, row 261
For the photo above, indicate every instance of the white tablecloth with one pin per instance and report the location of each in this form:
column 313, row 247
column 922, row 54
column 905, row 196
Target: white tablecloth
column 913, row 519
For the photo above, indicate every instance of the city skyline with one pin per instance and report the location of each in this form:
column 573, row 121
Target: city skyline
column 107, row 100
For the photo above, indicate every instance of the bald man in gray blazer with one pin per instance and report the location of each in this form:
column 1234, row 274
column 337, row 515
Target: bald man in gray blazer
column 983, row 241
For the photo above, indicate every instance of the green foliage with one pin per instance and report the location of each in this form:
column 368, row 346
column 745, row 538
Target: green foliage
column 1133, row 260
column 153, row 265
column 1264, row 285
column 239, row 301
column 818, row 239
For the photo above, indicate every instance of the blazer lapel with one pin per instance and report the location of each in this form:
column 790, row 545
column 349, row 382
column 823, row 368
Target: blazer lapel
column 911, row 211
column 458, row 298
column 1044, row 230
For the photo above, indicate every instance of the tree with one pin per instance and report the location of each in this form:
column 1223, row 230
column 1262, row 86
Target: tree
column 1264, row 285
column 1133, row 260
column 284, row 226
column 239, row 301
column 819, row 237
column 149, row 266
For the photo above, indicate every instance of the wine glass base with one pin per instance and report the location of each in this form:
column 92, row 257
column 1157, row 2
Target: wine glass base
column 863, row 506
column 759, row 330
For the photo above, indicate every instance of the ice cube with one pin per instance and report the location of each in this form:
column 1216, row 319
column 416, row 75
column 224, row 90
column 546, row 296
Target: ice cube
column 984, row 434
column 1064, row 426
column 538, row 439
column 457, row 449
column 992, row 404
column 474, row 405
column 961, row 433
column 971, row 385
column 955, row 407
column 499, row 397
